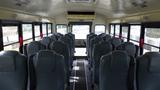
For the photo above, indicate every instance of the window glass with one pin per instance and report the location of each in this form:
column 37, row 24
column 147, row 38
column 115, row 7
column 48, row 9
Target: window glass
column 152, row 36
column 99, row 29
column 14, row 46
column 80, row 31
column 44, row 30
column 10, row 36
column 61, row 29
column 112, row 30
column 135, row 32
column 80, row 52
column 117, row 30
column 124, row 33
column 135, row 42
column 37, row 32
column 107, row 31
column 27, row 33
column 49, row 30
column 148, row 48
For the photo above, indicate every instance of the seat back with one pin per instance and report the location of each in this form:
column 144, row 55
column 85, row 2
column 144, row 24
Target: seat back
column 107, row 37
column 25, row 49
column 47, row 71
column 102, row 35
column 115, row 42
column 34, row 47
column 94, row 41
column 89, row 44
column 61, row 48
column 71, row 41
column 98, row 51
column 129, row 47
column 114, row 71
column 46, row 41
column 13, row 71
column 148, row 71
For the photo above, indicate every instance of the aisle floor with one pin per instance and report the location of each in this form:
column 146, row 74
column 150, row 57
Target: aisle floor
column 80, row 79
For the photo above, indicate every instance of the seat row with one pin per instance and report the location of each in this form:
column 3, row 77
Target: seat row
column 45, row 71
column 115, row 67
column 46, row 65
column 97, row 46
column 119, row 70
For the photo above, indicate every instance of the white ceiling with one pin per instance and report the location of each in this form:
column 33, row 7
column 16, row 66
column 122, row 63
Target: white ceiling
column 108, row 8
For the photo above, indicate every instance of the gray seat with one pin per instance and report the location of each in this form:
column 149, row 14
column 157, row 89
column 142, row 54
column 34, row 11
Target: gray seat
column 13, row 71
column 114, row 69
column 102, row 35
column 94, row 41
column 73, row 37
column 71, row 40
column 89, row 44
column 46, row 41
column 129, row 47
column 65, row 39
column 88, row 38
column 34, row 47
column 68, row 41
column 99, row 50
column 115, row 42
column 62, row 49
column 137, row 51
column 25, row 49
column 148, row 71
column 47, row 71
column 53, row 37
column 58, row 35
column 107, row 37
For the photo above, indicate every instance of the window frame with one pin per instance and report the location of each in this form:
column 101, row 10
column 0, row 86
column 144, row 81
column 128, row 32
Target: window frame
column 114, row 29
column 150, row 25
column 16, row 23
column 121, row 31
column 130, row 32
column 22, row 31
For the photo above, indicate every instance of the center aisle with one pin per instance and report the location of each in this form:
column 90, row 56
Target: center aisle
column 79, row 78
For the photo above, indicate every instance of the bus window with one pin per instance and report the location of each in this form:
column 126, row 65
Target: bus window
column 61, row 29
column 107, row 31
column 37, row 32
column 49, row 29
column 135, row 34
column 10, row 38
column 80, row 31
column 27, row 33
column 117, row 30
column 99, row 29
column 152, row 39
column 44, row 30
column 112, row 30
column 124, row 33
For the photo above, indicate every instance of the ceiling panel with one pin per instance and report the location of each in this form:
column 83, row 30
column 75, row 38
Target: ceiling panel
column 108, row 8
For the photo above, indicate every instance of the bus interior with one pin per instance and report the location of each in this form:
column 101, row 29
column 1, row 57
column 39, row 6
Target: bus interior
column 79, row 45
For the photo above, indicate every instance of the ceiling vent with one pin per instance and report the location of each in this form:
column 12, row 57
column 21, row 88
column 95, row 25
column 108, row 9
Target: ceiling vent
column 81, row 15
column 22, row 2
column 81, row 1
